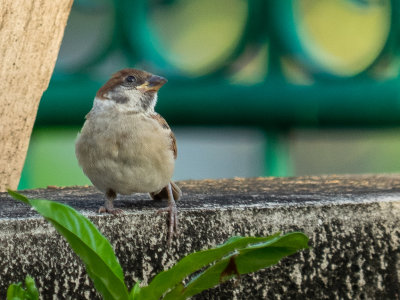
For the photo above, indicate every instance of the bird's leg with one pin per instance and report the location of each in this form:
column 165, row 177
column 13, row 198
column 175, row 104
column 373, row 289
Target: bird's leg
column 173, row 214
column 109, row 204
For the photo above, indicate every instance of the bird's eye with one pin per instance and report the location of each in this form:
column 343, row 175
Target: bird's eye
column 130, row 78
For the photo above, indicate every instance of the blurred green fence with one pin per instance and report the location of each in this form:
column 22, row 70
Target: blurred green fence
column 274, row 64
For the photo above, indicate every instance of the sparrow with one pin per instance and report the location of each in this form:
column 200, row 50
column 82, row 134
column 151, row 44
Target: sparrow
column 125, row 147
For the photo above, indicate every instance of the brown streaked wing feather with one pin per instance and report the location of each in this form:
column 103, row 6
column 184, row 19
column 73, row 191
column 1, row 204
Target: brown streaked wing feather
column 165, row 125
column 160, row 120
column 174, row 148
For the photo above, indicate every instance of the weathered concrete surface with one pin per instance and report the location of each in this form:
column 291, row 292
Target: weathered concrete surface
column 353, row 223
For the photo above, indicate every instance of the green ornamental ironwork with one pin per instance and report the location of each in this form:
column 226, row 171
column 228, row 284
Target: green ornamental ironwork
column 287, row 63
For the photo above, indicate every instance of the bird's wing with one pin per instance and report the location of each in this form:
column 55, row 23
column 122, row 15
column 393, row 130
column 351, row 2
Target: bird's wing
column 165, row 125
column 174, row 148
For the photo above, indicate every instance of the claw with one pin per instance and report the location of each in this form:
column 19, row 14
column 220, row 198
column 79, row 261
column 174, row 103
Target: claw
column 173, row 215
column 109, row 205
column 113, row 211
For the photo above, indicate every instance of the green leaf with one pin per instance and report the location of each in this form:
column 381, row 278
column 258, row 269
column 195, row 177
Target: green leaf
column 175, row 293
column 31, row 289
column 87, row 242
column 167, row 280
column 246, row 260
column 17, row 196
column 135, row 291
column 17, row 292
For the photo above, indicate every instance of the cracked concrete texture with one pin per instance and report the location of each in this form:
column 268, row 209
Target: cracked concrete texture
column 352, row 222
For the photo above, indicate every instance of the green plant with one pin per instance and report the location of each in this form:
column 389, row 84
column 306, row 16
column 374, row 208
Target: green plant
column 238, row 255
column 16, row 292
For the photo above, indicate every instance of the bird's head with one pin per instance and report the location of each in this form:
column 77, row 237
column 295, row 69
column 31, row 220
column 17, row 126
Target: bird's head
column 132, row 89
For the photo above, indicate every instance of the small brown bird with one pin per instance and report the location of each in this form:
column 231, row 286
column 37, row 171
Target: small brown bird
column 125, row 147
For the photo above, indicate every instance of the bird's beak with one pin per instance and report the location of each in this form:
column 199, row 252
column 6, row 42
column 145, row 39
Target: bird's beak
column 153, row 84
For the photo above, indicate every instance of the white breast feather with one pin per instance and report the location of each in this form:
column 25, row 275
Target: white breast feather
column 124, row 151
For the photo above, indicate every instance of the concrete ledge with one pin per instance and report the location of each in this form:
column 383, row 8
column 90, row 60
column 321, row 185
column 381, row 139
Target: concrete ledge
column 353, row 223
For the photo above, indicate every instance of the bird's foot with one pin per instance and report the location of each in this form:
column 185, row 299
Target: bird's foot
column 110, row 210
column 173, row 219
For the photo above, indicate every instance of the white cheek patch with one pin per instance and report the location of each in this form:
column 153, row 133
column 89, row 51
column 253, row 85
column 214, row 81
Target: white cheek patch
column 134, row 102
column 139, row 101
column 133, row 95
column 100, row 105
column 126, row 100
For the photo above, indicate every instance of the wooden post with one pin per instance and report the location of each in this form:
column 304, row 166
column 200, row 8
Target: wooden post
column 30, row 38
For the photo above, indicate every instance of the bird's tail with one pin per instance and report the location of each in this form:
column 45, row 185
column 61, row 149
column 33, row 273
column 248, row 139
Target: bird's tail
column 163, row 194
